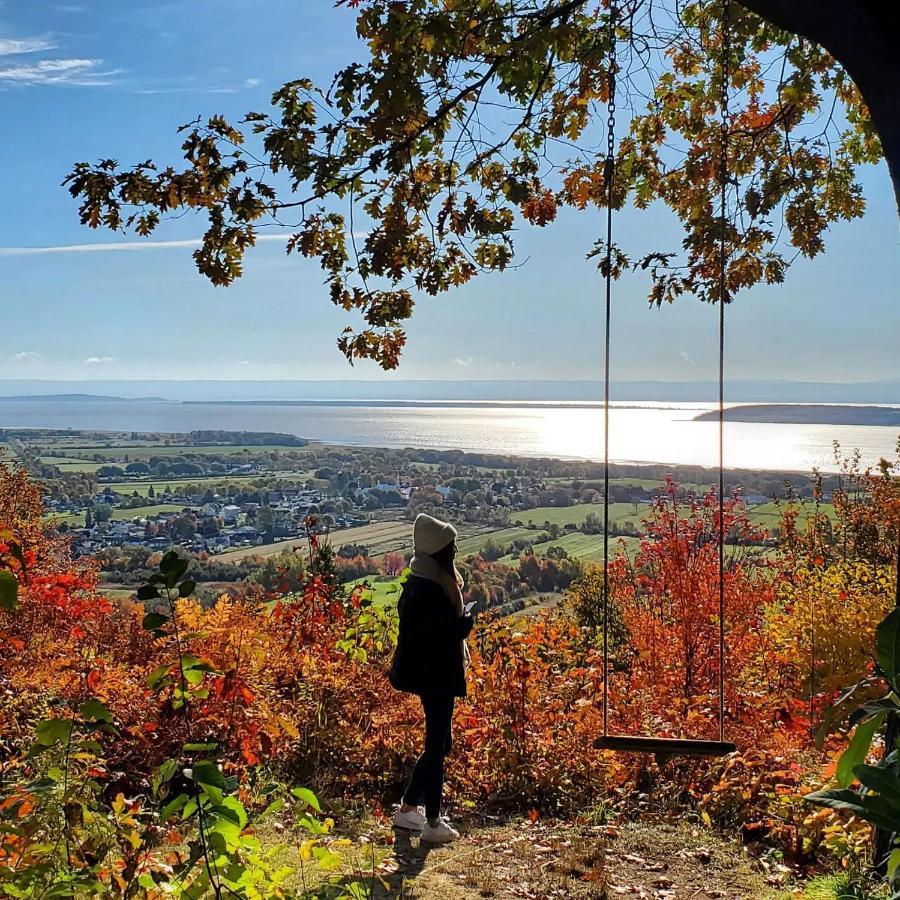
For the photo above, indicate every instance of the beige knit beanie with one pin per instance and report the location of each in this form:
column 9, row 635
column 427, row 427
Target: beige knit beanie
column 430, row 535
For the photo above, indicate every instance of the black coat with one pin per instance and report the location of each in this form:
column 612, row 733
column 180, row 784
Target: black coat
column 429, row 655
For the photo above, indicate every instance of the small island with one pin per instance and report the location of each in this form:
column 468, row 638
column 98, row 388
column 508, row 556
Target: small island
column 807, row 414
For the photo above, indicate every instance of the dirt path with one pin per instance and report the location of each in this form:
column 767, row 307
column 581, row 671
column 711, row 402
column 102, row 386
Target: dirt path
column 560, row 860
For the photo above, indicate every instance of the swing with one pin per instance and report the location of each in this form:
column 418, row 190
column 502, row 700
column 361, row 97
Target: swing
column 663, row 747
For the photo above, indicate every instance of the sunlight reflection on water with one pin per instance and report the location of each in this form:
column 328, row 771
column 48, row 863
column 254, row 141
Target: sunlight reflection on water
column 646, row 432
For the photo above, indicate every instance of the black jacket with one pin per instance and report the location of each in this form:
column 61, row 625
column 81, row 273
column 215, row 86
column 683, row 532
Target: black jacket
column 429, row 656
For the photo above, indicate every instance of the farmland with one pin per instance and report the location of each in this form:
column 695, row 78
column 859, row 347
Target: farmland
column 379, row 537
column 587, row 547
column 122, row 515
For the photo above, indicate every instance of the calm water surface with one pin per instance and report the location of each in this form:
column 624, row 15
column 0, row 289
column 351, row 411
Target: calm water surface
column 639, row 432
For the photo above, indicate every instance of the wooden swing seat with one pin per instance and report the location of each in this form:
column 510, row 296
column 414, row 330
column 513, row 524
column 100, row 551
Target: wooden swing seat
column 663, row 747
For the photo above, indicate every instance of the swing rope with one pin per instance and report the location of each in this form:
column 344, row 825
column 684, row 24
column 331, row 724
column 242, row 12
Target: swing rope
column 609, row 178
column 665, row 747
column 723, row 291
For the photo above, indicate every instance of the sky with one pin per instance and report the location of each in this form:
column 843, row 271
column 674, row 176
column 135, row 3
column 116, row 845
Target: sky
column 95, row 79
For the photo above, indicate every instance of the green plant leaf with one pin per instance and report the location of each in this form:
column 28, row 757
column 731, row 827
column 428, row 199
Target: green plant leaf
column 153, row 621
column 94, row 711
column 885, row 782
column 873, row 809
column 186, row 588
column 305, row 795
column 857, row 750
column 53, row 731
column 9, row 590
column 175, row 804
column 148, row 592
column 208, row 774
column 154, row 679
column 887, row 645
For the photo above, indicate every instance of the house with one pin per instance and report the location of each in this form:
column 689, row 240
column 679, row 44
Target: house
column 230, row 514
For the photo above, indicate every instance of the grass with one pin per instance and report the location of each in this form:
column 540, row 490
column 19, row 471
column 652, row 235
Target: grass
column 764, row 515
column 122, row 515
column 383, row 590
column 141, row 453
column 581, row 546
column 470, row 544
column 575, row 515
column 206, row 481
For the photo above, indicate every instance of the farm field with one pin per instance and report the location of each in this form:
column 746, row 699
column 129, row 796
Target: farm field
column 581, row 546
column 122, row 515
column 379, row 537
column 382, row 591
column 472, row 542
column 766, row 515
column 206, row 481
column 575, row 515
column 141, row 453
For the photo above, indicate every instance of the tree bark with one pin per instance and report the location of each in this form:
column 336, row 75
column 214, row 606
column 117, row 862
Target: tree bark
column 864, row 36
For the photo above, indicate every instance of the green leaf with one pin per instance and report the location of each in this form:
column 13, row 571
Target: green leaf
column 53, row 731
column 153, row 621
column 148, row 592
column 164, row 774
column 883, row 781
column 893, row 864
column 857, row 750
column 9, row 590
column 94, row 711
column 305, row 795
column 175, row 804
column 208, row 773
column 873, row 809
column 887, row 645
column 186, row 588
column 154, row 679
column 199, row 748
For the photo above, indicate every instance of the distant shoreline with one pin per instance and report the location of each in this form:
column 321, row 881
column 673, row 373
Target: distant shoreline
column 806, row 414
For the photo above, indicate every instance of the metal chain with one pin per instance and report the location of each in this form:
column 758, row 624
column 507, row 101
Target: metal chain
column 609, row 177
column 723, row 290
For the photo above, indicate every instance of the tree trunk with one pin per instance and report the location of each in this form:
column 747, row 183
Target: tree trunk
column 864, row 36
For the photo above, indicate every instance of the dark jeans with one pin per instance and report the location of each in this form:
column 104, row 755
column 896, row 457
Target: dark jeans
column 427, row 780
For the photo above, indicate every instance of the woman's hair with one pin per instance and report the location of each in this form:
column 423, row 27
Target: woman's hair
column 445, row 556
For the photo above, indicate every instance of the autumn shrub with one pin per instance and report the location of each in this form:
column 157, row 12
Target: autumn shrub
column 292, row 685
column 668, row 598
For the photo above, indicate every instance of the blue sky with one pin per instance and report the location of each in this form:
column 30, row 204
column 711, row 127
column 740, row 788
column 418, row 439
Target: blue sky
column 98, row 78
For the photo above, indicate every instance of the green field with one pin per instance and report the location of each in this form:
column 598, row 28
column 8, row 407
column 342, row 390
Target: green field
column 160, row 485
column 121, row 515
column 581, row 546
column 575, row 515
column 764, row 515
column 140, row 453
column 382, row 590
column 470, row 543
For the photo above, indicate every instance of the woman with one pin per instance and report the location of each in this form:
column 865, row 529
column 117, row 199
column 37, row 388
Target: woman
column 431, row 661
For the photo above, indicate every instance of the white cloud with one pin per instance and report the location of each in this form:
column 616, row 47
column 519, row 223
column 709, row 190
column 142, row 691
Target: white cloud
column 100, row 360
column 123, row 246
column 78, row 72
column 24, row 355
column 14, row 47
column 686, row 356
column 462, row 361
column 252, row 82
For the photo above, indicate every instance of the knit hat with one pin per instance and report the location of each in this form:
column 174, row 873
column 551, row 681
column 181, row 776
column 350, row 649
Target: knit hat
column 430, row 535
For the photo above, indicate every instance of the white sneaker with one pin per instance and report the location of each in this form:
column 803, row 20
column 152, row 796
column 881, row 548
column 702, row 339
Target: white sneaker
column 412, row 820
column 442, row 833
